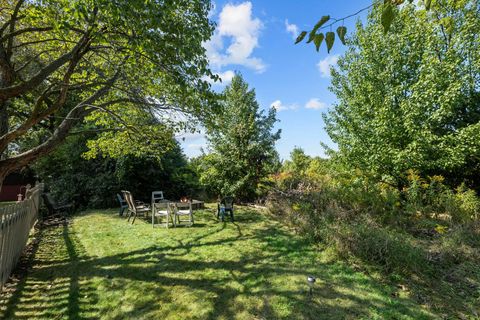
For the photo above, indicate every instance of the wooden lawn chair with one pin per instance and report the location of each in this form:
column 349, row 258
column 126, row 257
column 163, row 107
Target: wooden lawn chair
column 134, row 208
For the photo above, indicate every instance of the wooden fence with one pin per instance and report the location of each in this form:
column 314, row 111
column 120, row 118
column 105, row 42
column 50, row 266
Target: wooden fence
column 16, row 221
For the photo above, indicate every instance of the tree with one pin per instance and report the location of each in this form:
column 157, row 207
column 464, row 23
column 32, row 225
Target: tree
column 298, row 162
column 93, row 183
column 242, row 141
column 410, row 99
column 126, row 67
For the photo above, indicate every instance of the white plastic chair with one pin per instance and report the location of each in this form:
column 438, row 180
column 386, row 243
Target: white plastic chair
column 182, row 210
column 161, row 208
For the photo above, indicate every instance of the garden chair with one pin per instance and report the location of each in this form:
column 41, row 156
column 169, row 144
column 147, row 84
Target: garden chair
column 161, row 208
column 225, row 205
column 54, row 208
column 135, row 207
column 123, row 204
column 182, row 209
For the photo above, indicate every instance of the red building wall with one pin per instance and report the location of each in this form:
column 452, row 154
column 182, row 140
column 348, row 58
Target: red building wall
column 10, row 193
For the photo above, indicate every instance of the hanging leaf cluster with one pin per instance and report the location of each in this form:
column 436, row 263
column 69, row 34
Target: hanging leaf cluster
column 318, row 37
column 388, row 15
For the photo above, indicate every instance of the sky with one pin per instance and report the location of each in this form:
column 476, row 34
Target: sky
column 256, row 38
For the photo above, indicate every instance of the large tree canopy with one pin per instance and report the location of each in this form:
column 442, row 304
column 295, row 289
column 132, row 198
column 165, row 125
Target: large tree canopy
column 410, row 99
column 129, row 67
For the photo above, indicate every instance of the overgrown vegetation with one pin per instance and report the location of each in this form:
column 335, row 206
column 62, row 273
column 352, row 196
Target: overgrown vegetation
column 424, row 236
column 399, row 195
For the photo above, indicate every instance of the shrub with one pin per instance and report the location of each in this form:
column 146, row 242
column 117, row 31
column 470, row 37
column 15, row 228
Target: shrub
column 416, row 230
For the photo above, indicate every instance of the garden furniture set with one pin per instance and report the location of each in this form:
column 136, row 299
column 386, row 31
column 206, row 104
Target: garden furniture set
column 162, row 211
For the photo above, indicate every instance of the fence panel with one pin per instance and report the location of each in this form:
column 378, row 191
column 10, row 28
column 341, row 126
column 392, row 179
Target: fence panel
column 16, row 221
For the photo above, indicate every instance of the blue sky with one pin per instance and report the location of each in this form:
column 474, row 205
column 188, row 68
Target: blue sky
column 256, row 38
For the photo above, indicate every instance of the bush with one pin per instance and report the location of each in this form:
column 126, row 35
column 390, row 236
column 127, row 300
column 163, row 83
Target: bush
column 422, row 228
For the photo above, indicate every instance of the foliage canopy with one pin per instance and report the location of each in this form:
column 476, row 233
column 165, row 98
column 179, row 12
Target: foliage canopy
column 242, row 140
column 133, row 68
column 410, row 99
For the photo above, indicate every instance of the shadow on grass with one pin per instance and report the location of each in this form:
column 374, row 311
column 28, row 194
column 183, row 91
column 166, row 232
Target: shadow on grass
column 272, row 276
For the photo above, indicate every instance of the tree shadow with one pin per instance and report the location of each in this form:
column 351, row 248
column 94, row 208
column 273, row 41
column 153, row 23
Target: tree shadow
column 265, row 279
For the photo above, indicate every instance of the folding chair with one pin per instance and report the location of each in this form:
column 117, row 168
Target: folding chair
column 161, row 208
column 182, row 210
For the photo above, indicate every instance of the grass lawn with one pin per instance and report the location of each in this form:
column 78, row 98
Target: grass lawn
column 100, row 266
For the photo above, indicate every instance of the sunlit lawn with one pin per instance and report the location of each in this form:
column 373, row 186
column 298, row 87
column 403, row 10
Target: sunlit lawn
column 102, row 267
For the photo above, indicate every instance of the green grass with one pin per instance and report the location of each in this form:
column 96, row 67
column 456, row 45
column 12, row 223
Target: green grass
column 99, row 266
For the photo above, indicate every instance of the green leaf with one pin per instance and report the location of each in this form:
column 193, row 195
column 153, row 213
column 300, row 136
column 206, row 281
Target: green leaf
column 387, row 17
column 318, row 40
column 320, row 23
column 342, row 31
column 317, row 26
column 330, row 39
column 428, row 3
column 311, row 36
column 301, row 36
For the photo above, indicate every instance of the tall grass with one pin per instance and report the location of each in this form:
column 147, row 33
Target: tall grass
column 425, row 234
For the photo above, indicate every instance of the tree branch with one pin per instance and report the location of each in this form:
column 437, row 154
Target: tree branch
column 22, row 31
column 16, row 90
column 76, row 114
column 12, row 28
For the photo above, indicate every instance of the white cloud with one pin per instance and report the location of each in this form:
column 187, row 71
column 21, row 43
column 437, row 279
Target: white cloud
column 279, row 106
column 236, row 24
column 325, row 65
column 292, row 29
column 315, row 104
column 226, row 77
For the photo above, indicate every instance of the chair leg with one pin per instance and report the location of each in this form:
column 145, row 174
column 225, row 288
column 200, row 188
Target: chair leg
column 134, row 217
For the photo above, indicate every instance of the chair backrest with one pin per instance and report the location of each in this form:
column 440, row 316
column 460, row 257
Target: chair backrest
column 162, row 204
column 157, row 195
column 121, row 200
column 129, row 199
column 183, row 205
column 158, row 201
column 227, row 202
